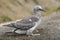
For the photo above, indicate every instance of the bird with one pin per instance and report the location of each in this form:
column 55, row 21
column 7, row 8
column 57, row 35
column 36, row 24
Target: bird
column 28, row 24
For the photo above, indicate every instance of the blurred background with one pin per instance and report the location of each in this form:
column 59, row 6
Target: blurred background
column 11, row 10
column 17, row 9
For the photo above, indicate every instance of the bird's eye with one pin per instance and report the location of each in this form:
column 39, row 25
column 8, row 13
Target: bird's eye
column 39, row 9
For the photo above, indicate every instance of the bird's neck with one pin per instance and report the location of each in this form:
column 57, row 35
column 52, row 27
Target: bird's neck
column 37, row 14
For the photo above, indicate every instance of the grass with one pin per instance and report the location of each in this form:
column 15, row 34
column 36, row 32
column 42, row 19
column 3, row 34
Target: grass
column 58, row 8
column 14, row 2
column 27, row 10
column 5, row 18
column 36, row 2
column 19, row 2
column 10, row 9
column 59, row 0
column 24, row 8
column 51, row 10
column 0, row 6
column 26, row 1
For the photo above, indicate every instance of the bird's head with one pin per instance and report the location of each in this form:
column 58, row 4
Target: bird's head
column 38, row 8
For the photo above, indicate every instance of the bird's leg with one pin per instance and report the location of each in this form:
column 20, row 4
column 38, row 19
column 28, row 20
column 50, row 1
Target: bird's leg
column 29, row 33
column 37, row 31
column 35, row 34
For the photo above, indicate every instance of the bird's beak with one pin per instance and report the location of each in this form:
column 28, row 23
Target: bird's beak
column 43, row 10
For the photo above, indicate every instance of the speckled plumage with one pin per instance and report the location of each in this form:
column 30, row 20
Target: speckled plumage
column 28, row 24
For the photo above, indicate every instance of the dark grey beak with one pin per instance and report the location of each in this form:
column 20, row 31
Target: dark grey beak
column 43, row 10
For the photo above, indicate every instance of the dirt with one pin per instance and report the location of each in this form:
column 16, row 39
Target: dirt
column 49, row 29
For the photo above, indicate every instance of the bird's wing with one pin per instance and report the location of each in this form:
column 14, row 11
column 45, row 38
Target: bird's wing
column 23, row 26
column 29, row 20
column 25, row 23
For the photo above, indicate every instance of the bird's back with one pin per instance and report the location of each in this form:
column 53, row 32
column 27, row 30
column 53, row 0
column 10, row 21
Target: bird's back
column 28, row 20
column 25, row 23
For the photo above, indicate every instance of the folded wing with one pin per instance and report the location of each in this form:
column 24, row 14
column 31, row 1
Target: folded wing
column 25, row 23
